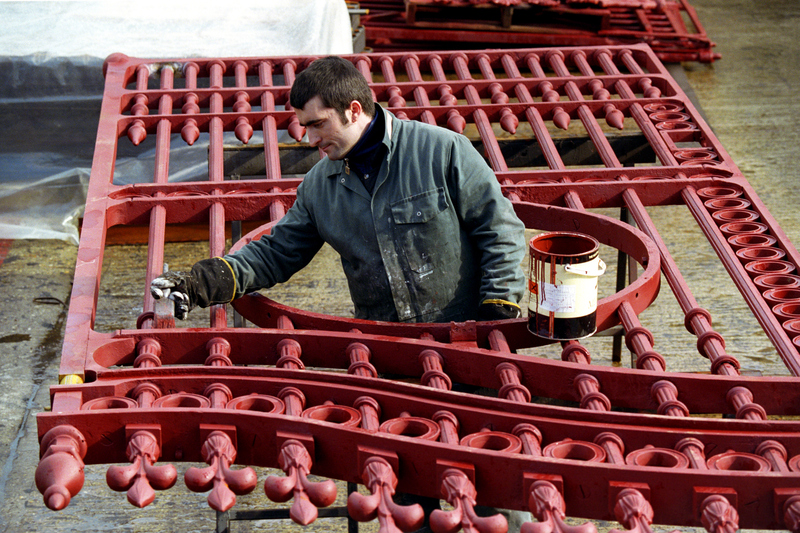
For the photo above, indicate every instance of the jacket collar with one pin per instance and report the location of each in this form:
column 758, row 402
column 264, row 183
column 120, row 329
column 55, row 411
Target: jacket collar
column 335, row 168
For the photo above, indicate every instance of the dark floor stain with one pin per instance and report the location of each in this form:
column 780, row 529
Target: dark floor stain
column 15, row 337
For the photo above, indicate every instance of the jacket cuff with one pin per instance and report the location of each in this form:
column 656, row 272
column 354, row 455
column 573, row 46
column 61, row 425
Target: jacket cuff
column 214, row 282
column 497, row 309
column 499, row 302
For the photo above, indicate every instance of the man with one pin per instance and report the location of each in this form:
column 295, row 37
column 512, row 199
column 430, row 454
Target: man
column 416, row 214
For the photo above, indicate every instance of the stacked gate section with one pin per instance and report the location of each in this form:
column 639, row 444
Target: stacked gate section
column 613, row 443
column 671, row 27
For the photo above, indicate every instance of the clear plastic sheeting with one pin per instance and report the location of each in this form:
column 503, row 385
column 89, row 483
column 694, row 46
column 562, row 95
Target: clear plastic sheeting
column 45, row 208
column 51, row 56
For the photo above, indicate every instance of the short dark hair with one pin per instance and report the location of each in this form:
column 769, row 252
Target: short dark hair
column 337, row 82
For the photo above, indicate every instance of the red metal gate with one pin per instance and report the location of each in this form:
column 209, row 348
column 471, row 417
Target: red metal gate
column 567, row 131
column 670, row 27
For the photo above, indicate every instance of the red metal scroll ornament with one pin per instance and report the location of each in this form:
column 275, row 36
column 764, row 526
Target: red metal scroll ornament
column 548, row 507
column 308, row 495
column 141, row 477
column 634, row 512
column 219, row 452
column 380, row 479
column 459, row 492
column 719, row 516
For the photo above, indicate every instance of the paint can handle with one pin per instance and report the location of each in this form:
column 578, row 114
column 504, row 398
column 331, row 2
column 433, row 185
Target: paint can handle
column 575, row 269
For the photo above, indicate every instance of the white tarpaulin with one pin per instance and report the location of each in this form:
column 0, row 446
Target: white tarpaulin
column 166, row 29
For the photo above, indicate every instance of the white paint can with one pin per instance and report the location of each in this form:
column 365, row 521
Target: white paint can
column 565, row 267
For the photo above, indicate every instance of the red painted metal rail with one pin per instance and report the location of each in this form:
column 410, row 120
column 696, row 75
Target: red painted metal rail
column 671, row 27
column 567, row 131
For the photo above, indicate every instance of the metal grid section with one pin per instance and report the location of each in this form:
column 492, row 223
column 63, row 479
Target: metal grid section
column 569, row 132
column 671, row 27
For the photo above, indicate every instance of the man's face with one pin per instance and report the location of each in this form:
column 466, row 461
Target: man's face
column 325, row 128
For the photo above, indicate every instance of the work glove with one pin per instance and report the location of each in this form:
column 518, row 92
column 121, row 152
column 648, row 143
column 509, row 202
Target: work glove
column 498, row 310
column 211, row 281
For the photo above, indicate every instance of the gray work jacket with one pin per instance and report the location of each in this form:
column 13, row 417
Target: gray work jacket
column 434, row 240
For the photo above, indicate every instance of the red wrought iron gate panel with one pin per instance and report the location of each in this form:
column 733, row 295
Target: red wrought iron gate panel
column 567, row 131
column 671, row 27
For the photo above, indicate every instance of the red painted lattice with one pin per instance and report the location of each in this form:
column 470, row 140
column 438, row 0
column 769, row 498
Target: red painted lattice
column 567, row 131
column 671, row 27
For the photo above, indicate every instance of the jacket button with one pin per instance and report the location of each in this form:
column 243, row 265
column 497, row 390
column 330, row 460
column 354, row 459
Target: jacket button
column 419, row 213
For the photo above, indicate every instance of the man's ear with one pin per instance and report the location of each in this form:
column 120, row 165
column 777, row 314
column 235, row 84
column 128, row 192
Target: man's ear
column 355, row 111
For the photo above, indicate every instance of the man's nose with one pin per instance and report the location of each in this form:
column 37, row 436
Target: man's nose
column 313, row 138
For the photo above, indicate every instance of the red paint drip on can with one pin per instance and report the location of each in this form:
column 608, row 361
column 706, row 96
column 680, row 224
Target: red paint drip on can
column 565, row 267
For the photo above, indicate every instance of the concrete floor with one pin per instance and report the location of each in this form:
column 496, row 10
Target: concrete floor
column 749, row 97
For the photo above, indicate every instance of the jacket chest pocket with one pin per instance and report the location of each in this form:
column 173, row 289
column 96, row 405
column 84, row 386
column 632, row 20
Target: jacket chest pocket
column 419, row 231
column 419, row 208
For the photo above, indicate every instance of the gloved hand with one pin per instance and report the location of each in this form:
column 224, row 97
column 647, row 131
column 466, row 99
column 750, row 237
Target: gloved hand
column 211, row 281
column 498, row 310
column 173, row 285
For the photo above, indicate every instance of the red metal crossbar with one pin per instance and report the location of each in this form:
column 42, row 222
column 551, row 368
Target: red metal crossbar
column 567, row 131
column 671, row 27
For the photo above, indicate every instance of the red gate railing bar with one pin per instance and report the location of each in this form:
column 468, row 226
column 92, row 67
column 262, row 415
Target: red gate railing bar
column 612, row 442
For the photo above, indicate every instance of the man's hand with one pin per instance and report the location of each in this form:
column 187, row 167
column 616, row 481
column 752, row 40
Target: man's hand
column 211, row 281
column 173, row 285
column 498, row 310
